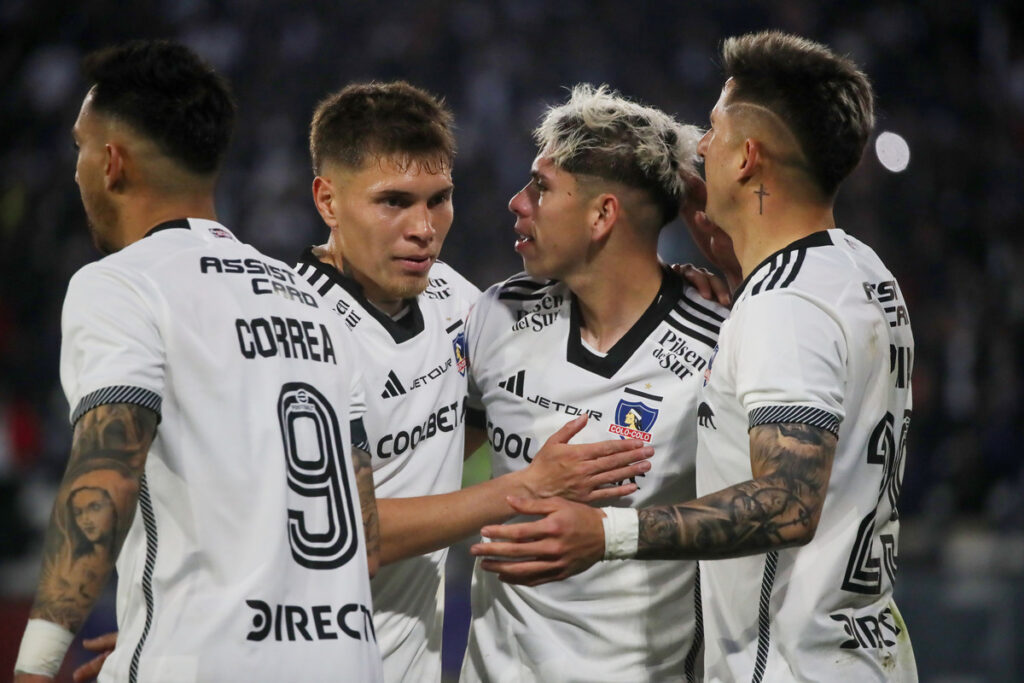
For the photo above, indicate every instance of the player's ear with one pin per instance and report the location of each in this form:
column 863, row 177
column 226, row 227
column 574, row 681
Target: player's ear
column 114, row 169
column 750, row 163
column 604, row 212
column 323, row 197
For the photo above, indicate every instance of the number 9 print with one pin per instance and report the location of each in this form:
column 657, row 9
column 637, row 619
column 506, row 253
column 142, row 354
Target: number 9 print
column 317, row 479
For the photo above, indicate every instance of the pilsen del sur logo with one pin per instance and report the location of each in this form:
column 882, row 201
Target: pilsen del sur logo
column 634, row 418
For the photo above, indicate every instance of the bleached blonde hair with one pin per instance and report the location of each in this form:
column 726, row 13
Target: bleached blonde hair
column 598, row 132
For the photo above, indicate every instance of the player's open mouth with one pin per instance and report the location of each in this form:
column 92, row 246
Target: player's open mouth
column 522, row 239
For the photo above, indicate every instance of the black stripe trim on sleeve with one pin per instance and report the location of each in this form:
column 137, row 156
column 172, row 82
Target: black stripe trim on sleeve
column 697, row 646
column 121, row 394
column 149, row 523
column 764, row 616
column 816, row 417
column 359, row 438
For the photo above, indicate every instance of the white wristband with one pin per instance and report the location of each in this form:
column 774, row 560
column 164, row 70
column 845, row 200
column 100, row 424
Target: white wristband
column 43, row 648
column 621, row 533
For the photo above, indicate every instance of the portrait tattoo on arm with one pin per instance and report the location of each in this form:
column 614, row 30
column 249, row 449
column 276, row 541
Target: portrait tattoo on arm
column 779, row 507
column 361, row 464
column 94, row 509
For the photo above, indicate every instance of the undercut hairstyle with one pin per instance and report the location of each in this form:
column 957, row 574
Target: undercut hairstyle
column 395, row 120
column 600, row 133
column 824, row 99
column 166, row 93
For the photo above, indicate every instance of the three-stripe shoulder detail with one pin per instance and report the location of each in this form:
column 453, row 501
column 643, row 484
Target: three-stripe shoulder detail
column 780, row 272
column 696, row 318
column 524, row 288
column 315, row 278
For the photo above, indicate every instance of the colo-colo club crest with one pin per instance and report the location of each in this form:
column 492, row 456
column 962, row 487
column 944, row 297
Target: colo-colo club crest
column 459, row 345
column 634, row 418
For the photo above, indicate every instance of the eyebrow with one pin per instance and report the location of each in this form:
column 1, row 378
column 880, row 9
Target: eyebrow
column 405, row 194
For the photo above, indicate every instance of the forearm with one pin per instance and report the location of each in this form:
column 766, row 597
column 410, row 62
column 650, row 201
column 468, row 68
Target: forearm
column 67, row 592
column 778, row 508
column 753, row 517
column 93, row 511
column 415, row 526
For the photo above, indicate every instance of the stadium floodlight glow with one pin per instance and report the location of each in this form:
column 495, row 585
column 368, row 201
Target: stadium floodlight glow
column 893, row 151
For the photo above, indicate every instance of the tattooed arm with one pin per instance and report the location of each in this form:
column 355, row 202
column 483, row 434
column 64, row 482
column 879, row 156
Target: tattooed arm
column 94, row 509
column 361, row 464
column 779, row 507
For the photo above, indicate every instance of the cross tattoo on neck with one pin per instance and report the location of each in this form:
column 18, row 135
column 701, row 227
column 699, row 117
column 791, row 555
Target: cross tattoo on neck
column 761, row 194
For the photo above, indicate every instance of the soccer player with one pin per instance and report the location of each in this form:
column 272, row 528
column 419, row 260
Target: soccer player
column 382, row 154
column 805, row 405
column 212, row 391
column 596, row 325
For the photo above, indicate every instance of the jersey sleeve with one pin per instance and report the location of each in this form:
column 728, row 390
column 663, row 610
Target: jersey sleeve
column 112, row 350
column 356, row 392
column 790, row 362
column 476, row 325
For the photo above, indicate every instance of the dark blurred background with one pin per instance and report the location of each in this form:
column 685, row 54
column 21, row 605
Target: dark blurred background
column 950, row 81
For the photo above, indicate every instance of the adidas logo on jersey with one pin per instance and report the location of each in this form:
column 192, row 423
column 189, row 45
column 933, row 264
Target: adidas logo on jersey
column 514, row 384
column 393, row 387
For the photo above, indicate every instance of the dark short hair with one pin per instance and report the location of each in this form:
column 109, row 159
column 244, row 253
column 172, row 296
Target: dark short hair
column 164, row 91
column 381, row 119
column 824, row 99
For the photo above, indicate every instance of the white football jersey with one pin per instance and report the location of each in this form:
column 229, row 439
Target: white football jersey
column 617, row 621
column 246, row 559
column 819, row 335
column 414, row 370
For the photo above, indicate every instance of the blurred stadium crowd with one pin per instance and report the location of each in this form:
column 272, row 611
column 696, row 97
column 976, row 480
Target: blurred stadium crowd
column 949, row 78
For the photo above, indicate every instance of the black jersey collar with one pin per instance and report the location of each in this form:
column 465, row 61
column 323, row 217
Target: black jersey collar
column 816, row 239
column 168, row 225
column 401, row 330
column 606, row 366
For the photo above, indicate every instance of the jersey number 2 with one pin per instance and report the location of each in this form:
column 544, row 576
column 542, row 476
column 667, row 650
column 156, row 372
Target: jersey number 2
column 863, row 574
column 322, row 516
